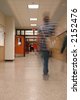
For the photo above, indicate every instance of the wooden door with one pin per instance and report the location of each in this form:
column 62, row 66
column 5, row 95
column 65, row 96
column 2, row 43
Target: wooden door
column 20, row 45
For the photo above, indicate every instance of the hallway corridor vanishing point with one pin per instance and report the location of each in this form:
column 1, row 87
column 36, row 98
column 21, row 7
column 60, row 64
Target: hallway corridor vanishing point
column 22, row 79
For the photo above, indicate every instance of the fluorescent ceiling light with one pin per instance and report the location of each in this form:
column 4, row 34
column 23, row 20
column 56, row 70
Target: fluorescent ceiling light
column 33, row 6
column 33, row 24
column 33, row 19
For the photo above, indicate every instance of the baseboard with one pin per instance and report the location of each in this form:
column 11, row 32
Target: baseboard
column 10, row 60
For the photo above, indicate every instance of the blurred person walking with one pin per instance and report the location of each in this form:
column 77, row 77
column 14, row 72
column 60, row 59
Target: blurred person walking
column 45, row 30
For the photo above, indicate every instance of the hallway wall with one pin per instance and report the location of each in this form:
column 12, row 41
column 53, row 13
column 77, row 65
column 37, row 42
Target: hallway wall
column 61, row 27
column 2, row 19
column 2, row 26
column 10, row 38
column 7, row 26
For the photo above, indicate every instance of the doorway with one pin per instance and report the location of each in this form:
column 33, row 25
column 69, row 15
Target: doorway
column 20, row 46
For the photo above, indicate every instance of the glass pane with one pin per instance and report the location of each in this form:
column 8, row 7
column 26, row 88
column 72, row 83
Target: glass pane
column 30, row 36
column 22, row 32
column 18, row 32
column 32, row 39
column 36, row 32
column 19, row 41
column 28, row 32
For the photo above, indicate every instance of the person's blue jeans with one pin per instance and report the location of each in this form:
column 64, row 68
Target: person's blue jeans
column 45, row 56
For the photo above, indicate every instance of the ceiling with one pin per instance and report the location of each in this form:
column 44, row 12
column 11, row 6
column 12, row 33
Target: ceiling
column 19, row 10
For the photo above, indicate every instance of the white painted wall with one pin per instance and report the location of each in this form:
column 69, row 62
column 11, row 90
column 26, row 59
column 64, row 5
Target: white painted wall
column 2, row 19
column 10, row 39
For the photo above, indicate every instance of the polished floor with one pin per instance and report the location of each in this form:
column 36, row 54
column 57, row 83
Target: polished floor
column 22, row 79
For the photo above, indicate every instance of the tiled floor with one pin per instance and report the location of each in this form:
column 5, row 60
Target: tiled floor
column 22, row 79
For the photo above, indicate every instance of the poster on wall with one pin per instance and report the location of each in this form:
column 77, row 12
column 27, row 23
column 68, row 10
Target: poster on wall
column 1, row 38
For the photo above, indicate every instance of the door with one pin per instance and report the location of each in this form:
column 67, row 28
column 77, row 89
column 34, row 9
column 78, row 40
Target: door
column 19, row 46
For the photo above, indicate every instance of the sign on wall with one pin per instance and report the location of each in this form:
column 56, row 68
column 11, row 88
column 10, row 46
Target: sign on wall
column 1, row 38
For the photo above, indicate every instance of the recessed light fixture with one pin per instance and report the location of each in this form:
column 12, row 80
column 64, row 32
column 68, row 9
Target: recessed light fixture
column 33, row 24
column 33, row 19
column 33, row 6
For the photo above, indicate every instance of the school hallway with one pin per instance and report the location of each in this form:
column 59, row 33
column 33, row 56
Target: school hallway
column 22, row 79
